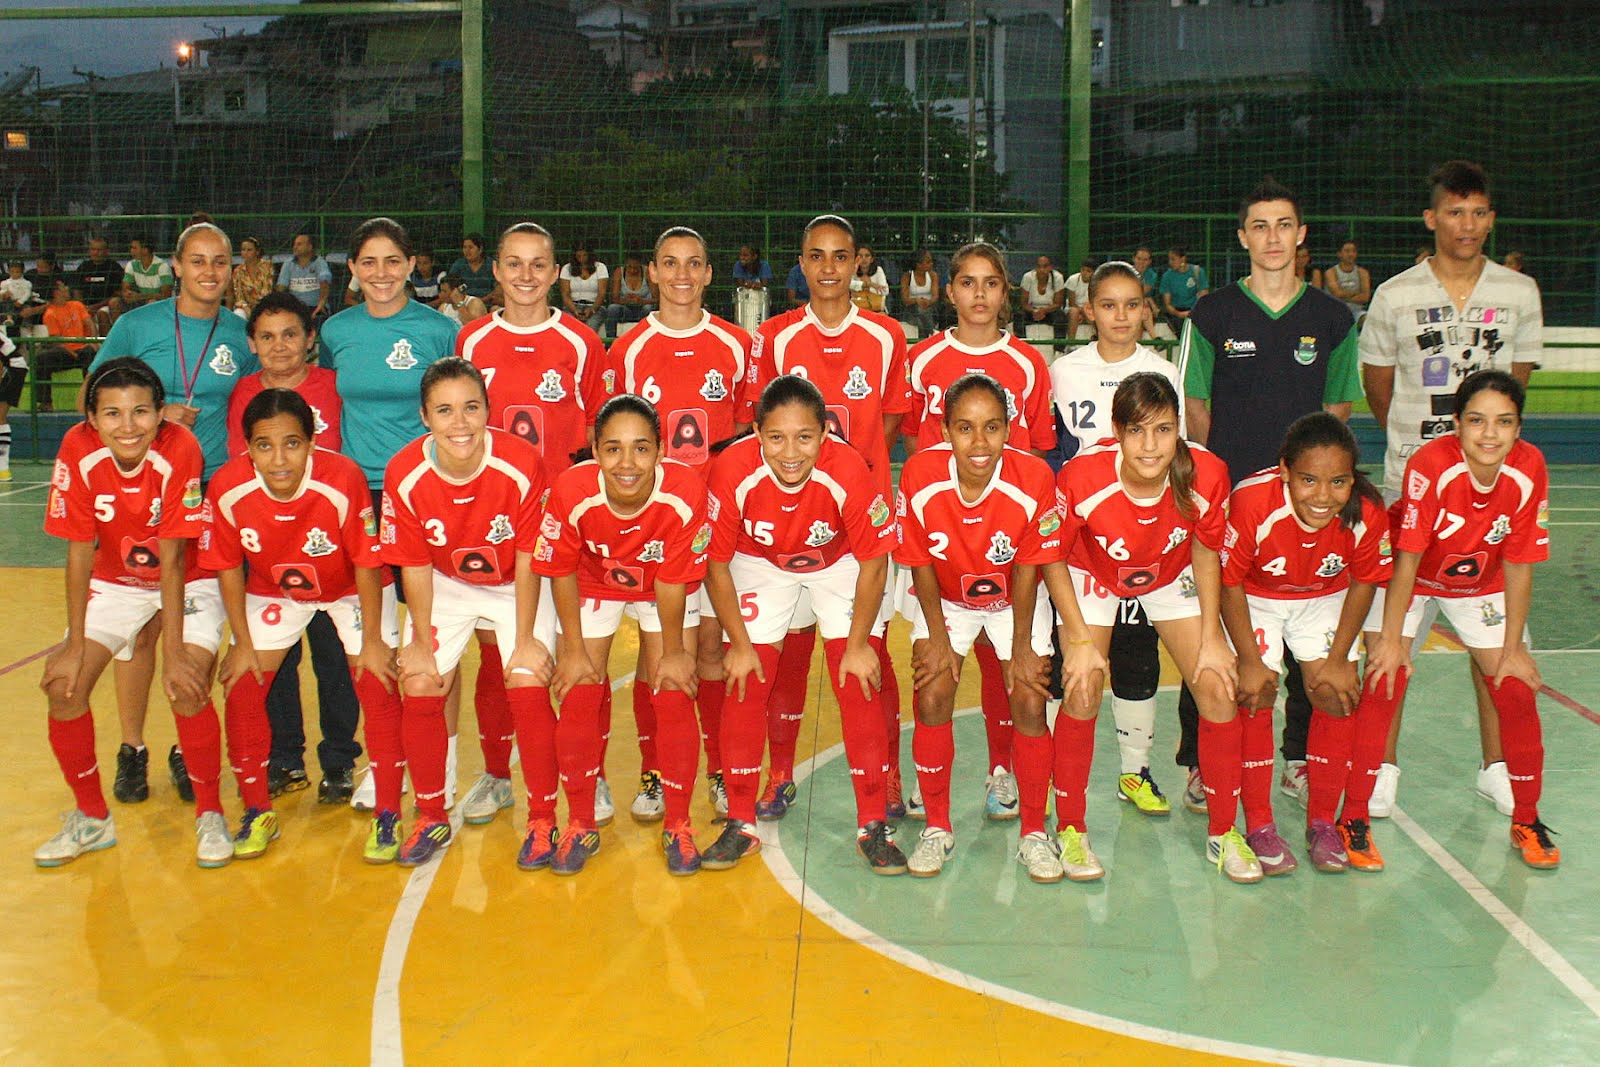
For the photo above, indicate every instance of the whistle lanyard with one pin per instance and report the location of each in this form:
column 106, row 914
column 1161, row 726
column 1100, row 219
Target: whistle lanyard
column 183, row 364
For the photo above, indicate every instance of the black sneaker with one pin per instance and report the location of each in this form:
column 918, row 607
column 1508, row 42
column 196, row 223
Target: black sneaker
column 132, row 783
column 337, row 786
column 180, row 775
column 281, row 780
column 880, row 852
column 738, row 840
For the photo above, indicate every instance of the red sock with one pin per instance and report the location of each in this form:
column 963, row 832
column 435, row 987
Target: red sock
column 381, row 717
column 996, row 706
column 709, row 700
column 933, row 749
column 1327, row 763
column 644, row 718
column 1255, row 787
column 423, row 731
column 250, row 738
column 786, row 706
column 200, row 737
column 1522, row 743
column 889, row 697
column 495, row 729
column 744, row 734
column 602, row 724
column 1032, row 757
column 1222, row 769
column 578, row 750
column 862, row 720
column 1074, row 753
column 679, row 748
column 73, row 743
column 1373, row 717
column 535, row 721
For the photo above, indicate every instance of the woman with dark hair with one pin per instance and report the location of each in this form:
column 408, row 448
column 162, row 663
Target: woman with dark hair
column 474, row 268
column 583, row 285
column 919, row 294
column 252, row 278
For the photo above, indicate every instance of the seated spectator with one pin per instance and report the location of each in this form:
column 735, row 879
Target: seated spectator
column 43, row 278
column 64, row 317
column 752, row 279
column 795, row 288
column 1513, row 261
column 458, row 305
column 869, row 287
column 16, row 293
column 919, row 294
column 425, row 280
column 252, row 278
column 474, row 268
column 632, row 295
column 1350, row 282
column 98, row 283
column 1181, row 286
column 1044, row 293
column 1303, row 269
column 145, row 279
column 1078, row 296
column 583, row 285
column 1150, row 277
column 307, row 276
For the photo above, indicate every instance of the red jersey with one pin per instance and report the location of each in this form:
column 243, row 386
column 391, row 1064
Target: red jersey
column 546, row 382
column 470, row 529
column 1133, row 546
column 972, row 548
column 1464, row 533
column 1267, row 550
column 304, row 548
column 797, row 529
column 318, row 390
column 692, row 377
column 620, row 558
column 937, row 362
column 127, row 513
column 860, row 366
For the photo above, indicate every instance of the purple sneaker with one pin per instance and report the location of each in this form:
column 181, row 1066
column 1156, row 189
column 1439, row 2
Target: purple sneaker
column 1327, row 847
column 1271, row 849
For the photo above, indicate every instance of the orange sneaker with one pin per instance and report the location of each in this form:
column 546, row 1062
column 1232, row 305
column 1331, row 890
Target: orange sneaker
column 1533, row 841
column 1359, row 847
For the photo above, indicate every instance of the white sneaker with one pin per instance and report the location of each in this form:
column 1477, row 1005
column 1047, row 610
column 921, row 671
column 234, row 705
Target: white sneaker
column 1231, row 855
column 1494, row 784
column 1294, row 782
column 450, row 774
column 365, row 798
column 648, row 804
column 79, row 834
column 1077, row 858
column 213, row 844
column 1000, row 795
column 1037, row 852
column 604, row 809
column 1384, row 791
column 486, row 799
column 717, row 794
column 915, row 808
column 933, row 848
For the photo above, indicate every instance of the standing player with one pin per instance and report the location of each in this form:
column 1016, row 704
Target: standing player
column 281, row 335
column 625, row 534
column 125, row 495
column 689, row 364
column 301, row 518
column 460, row 514
column 799, row 517
column 1428, row 327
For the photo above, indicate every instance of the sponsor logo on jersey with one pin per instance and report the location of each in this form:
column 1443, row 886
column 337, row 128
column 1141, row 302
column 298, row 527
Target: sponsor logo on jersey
column 1174, row 539
column 1049, row 522
column 714, row 388
column 550, row 389
column 61, row 477
column 654, row 552
column 155, row 513
column 400, row 357
column 191, row 493
column 608, row 378
column 205, row 512
column 758, row 344
column 1544, row 515
column 821, row 533
column 550, row 528
column 856, row 387
column 542, row 550
column 713, row 507
column 1492, row 616
column 1332, row 564
column 1411, row 517
column 1011, row 406
column 369, row 522
column 1001, row 550
column 1233, row 348
column 702, row 539
column 222, row 361
column 317, row 543
column 388, row 507
column 1230, row 536
column 1416, row 484
column 1499, row 530
column 878, row 511
column 499, row 529
column 1306, row 353
column 58, row 504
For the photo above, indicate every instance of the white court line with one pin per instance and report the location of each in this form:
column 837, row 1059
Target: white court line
column 25, row 488
column 387, row 1050
column 1540, row 949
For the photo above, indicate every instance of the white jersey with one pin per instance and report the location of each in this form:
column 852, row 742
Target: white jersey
column 1413, row 326
column 1083, row 384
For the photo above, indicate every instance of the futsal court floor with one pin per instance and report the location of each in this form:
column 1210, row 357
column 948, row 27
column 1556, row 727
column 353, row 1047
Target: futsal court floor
column 1457, row 954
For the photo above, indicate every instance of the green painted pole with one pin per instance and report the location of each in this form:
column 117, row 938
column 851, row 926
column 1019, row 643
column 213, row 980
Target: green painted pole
column 1075, row 145
column 473, row 203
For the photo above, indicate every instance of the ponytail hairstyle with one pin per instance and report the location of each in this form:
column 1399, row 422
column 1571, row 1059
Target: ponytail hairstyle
column 968, row 383
column 451, row 367
column 788, row 389
column 270, row 403
column 829, row 220
column 679, row 231
column 990, row 254
column 124, row 372
column 1322, row 430
column 628, row 404
column 382, row 227
column 1115, row 269
column 1496, row 381
column 1145, row 396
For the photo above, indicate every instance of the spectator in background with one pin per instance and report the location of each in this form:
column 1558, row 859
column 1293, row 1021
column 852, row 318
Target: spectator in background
column 751, row 271
column 1078, row 295
column 98, row 283
column 869, row 288
column 1423, row 254
column 307, row 276
column 16, row 292
column 1513, row 261
column 919, row 294
column 1304, row 270
column 1348, row 282
column 1181, row 286
column 146, row 278
column 583, row 283
column 632, row 295
column 1044, row 293
column 64, row 317
column 458, row 305
column 252, row 278
column 752, row 276
column 474, row 268
column 795, row 287
column 43, row 278
column 425, row 280
column 1150, row 278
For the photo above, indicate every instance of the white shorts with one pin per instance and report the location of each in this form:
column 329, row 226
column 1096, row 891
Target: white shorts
column 601, row 618
column 963, row 624
column 460, row 607
column 117, row 613
column 1178, row 599
column 1480, row 621
column 277, row 622
column 771, row 599
column 1306, row 626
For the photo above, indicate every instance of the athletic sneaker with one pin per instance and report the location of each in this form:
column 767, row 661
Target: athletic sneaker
column 875, row 843
column 573, row 850
column 1194, row 793
column 213, row 847
column 933, row 848
column 1359, row 847
column 257, row 830
column 1141, row 791
column 648, row 805
column 1039, row 853
column 683, row 855
column 180, row 775
column 604, row 809
column 1077, row 858
column 1293, row 782
column 427, row 840
column 1384, row 791
column 915, row 808
column 132, row 783
column 539, row 846
column 79, row 834
column 895, row 806
column 1232, row 856
column 1494, row 784
column 1532, row 840
column 337, row 786
column 1000, row 796
column 738, row 840
column 383, row 840
column 487, row 798
column 774, row 803
column 1326, row 845
column 365, row 797
column 1271, row 850
column 717, row 794
column 281, row 780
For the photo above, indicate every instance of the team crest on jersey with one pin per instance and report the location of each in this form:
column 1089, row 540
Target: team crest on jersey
column 702, row 539
column 1001, row 550
column 1187, row 587
column 499, row 529
column 1416, row 484
column 821, row 533
column 222, row 361
column 608, row 379
column 61, row 477
column 1011, row 406
column 1385, row 547
column 1178, row 537
column 856, row 387
column 317, row 543
column 714, row 388
column 369, row 522
column 654, row 552
column 400, row 357
column 1332, row 564
column 155, row 513
column 550, row 388
column 1499, row 531
column 1306, row 353
column 1492, row 616
column 878, row 511
column 1327, row 642
column 1049, row 522
column 317, row 425
column 191, row 493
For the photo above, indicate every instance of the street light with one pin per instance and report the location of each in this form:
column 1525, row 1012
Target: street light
column 185, row 53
